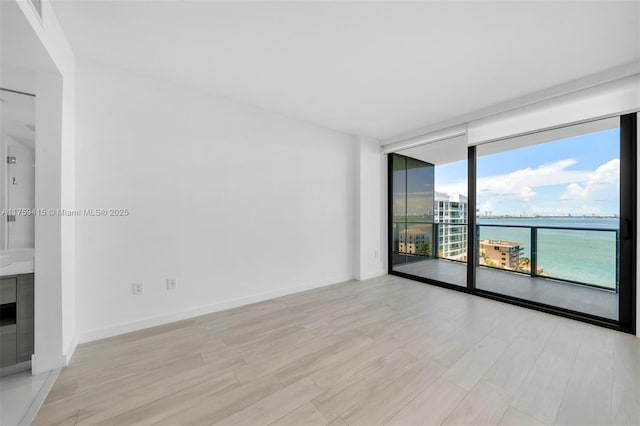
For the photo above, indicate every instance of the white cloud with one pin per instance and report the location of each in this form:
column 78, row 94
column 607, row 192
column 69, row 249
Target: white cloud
column 520, row 183
column 526, row 194
column 458, row 187
column 585, row 192
column 574, row 192
column 486, row 207
column 599, row 183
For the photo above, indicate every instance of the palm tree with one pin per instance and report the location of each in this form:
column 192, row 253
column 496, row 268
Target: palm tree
column 525, row 264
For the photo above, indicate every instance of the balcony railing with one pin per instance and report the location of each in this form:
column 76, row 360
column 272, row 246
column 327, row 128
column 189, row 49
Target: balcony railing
column 584, row 256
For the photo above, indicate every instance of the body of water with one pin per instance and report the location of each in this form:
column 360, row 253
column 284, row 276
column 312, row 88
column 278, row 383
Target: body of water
column 588, row 256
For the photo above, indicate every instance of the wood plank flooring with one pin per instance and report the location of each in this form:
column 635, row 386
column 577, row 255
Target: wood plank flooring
column 383, row 351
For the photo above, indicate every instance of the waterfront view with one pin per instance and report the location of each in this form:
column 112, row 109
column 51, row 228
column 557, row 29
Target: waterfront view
column 577, row 249
column 576, row 255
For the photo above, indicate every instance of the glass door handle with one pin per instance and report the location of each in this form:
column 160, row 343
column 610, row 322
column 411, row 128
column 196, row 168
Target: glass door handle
column 626, row 229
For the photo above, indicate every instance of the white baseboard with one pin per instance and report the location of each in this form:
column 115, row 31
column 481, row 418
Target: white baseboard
column 70, row 350
column 154, row 321
column 39, row 366
column 374, row 274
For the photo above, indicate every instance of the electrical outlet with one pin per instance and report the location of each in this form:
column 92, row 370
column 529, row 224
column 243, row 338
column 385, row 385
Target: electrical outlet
column 171, row 283
column 137, row 289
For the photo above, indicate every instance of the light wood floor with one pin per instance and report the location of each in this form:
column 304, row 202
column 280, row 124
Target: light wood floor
column 382, row 351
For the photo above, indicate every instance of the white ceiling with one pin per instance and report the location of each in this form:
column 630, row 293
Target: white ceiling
column 371, row 68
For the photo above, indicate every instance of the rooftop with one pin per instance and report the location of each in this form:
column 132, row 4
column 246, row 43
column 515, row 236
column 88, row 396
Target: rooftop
column 500, row 243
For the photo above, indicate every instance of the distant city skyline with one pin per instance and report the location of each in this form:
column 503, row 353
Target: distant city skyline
column 573, row 176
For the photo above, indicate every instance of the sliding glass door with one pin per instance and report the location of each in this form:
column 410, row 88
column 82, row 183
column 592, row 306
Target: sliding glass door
column 548, row 220
column 549, row 223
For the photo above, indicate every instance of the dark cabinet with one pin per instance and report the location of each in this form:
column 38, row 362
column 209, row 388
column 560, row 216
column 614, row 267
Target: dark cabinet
column 24, row 317
column 16, row 319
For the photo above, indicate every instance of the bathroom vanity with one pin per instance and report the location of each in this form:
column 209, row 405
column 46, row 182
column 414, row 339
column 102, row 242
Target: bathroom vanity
column 16, row 320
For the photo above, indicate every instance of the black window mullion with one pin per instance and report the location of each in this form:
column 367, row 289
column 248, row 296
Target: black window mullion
column 628, row 220
column 471, row 218
column 389, row 212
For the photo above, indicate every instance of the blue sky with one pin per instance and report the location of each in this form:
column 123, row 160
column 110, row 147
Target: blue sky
column 578, row 176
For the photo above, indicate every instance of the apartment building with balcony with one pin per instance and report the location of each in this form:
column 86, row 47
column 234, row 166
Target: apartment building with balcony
column 503, row 254
column 450, row 212
column 414, row 240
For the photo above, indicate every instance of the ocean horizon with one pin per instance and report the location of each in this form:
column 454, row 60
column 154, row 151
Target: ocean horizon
column 588, row 255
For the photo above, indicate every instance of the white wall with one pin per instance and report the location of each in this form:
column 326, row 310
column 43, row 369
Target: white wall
column 49, row 351
column 371, row 213
column 236, row 203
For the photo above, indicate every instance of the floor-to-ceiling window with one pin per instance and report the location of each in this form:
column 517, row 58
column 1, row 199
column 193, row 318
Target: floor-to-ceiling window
column 545, row 220
column 548, row 217
column 412, row 219
column 430, row 216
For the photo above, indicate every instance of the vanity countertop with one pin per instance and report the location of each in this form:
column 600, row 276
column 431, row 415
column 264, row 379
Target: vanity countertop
column 16, row 261
column 17, row 268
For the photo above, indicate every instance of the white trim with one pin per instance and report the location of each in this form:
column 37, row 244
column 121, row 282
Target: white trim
column 370, row 275
column 154, row 321
column 70, row 350
column 35, row 12
column 36, row 364
column 440, row 135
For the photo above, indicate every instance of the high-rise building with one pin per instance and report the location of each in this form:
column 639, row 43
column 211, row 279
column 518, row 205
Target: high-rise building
column 450, row 213
column 450, row 220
